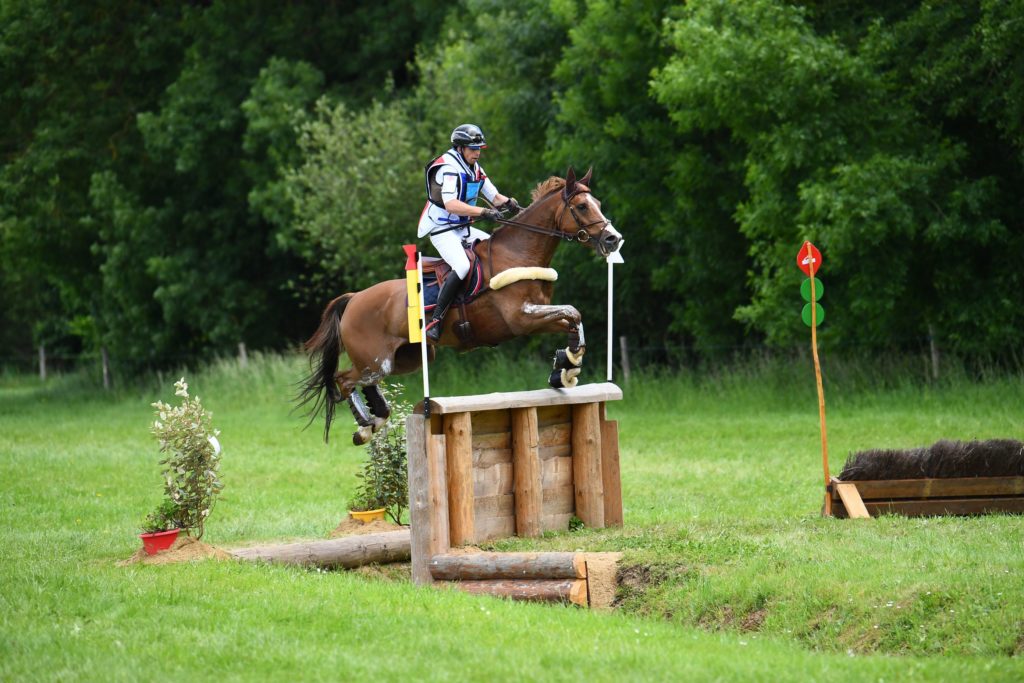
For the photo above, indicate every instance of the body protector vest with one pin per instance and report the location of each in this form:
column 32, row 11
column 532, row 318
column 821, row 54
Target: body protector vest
column 449, row 177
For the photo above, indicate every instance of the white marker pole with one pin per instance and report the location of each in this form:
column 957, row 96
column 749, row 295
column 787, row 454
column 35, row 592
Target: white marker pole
column 423, row 335
column 612, row 258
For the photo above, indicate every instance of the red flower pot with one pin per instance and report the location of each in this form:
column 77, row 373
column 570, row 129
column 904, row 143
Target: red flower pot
column 161, row 540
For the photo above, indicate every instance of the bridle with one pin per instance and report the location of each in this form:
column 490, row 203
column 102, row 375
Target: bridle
column 581, row 235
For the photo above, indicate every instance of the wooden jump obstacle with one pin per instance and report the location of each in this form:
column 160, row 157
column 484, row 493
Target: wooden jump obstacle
column 926, row 497
column 512, row 464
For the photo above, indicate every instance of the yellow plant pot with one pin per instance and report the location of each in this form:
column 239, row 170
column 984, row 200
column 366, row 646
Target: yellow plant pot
column 368, row 516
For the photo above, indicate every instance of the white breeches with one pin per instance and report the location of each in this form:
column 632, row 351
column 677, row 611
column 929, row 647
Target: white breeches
column 449, row 246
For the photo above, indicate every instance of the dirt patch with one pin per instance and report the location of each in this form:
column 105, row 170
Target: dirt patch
column 753, row 620
column 602, row 580
column 354, row 527
column 185, row 549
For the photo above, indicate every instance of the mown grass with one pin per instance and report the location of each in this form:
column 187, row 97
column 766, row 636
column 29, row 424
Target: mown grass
column 730, row 572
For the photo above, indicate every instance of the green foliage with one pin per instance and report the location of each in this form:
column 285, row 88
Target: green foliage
column 164, row 518
column 353, row 197
column 190, row 470
column 169, row 185
column 384, row 479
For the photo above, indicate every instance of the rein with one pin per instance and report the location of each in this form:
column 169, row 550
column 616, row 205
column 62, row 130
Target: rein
column 581, row 235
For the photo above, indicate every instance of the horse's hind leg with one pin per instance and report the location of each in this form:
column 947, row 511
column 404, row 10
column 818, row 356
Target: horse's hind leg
column 347, row 383
column 378, row 405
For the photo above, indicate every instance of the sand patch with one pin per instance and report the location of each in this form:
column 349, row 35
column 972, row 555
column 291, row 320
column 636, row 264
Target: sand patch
column 354, row 527
column 185, row 549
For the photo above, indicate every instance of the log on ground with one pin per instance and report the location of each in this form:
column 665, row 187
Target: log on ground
column 348, row 552
column 481, row 566
column 537, row 590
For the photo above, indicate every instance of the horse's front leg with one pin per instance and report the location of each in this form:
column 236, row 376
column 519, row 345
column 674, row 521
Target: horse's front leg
column 546, row 319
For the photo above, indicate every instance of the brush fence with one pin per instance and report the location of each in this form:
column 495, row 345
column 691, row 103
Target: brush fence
column 511, row 464
column 927, row 497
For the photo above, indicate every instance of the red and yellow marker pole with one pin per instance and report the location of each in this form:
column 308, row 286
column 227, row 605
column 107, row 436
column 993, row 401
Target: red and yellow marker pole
column 416, row 314
column 808, row 259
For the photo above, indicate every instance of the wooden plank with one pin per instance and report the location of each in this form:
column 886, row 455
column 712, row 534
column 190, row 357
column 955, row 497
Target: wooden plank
column 572, row 591
column 436, row 467
column 338, row 553
column 556, row 473
column 610, row 476
column 556, row 522
column 493, row 481
column 421, row 516
column 852, row 501
column 458, row 434
column 527, row 472
column 584, row 393
column 494, row 506
column 548, row 415
column 480, row 566
column 559, row 434
column 961, row 487
column 494, row 528
column 491, row 422
column 495, row 440
column 586, row 464
column 946, row 506
column 560, row 500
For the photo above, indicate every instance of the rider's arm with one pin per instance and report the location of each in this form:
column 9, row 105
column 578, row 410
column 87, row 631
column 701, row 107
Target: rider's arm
column 450, row 194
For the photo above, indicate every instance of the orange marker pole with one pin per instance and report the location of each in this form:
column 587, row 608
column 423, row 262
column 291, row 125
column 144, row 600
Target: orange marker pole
column 817, row 377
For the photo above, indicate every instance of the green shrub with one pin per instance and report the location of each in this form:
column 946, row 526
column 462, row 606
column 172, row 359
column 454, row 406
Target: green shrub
column 191, row 483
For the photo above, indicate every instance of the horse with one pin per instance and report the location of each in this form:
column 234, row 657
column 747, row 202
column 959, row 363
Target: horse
column 371, row 326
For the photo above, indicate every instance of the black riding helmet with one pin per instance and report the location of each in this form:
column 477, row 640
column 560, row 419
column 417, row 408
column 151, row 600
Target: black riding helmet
column 468, row 135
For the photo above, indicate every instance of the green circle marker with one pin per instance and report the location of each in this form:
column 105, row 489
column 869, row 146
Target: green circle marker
column 806, row 313
column 805, row 289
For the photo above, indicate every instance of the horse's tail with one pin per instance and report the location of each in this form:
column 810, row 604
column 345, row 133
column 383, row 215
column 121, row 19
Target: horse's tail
column 324, row 348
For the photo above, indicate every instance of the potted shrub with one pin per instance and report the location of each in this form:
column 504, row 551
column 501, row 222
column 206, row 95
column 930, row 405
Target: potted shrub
column 160, row 528
column 191, row 481
column 384, row 480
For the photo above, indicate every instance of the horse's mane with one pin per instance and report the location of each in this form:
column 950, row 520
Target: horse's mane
column 546, row 187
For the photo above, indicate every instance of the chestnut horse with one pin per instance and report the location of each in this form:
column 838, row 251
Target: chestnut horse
column 371, row 326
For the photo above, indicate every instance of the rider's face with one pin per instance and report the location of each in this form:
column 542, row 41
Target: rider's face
column 471, row 155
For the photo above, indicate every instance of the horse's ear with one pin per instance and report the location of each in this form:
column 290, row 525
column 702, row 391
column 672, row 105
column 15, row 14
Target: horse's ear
column 570, row 183
column 585, row 180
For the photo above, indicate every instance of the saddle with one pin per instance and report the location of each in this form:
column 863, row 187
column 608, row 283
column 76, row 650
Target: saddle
column 436, row 271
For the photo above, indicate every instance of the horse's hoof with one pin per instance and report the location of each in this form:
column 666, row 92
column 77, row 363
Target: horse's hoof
column 378, row 423
column 362, row 435
column 564, row 379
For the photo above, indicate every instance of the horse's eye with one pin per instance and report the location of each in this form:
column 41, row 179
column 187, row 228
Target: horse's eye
column 581, row 207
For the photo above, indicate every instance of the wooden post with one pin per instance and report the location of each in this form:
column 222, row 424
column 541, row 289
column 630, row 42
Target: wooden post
column 243, row 357
column 421, row 516
column 610, row 476
column 529, row 494
column 42, row 363
column 586, row 464
column 436, row 467
column 106, row 367
column 458, row 432
column 624, row 355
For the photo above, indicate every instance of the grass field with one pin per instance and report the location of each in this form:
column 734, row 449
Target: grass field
column 730, row 573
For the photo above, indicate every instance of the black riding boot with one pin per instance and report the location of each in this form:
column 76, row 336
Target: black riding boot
column 449, row 289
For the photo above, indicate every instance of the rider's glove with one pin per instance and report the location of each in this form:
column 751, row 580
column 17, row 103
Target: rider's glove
column 511, row 207
column 491, row 215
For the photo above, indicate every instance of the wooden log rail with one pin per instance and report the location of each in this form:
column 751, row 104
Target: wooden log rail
column 521, row 463
column 927, row 497
column 347, row 552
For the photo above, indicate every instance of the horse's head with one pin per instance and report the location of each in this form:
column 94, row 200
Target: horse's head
column 581, row 216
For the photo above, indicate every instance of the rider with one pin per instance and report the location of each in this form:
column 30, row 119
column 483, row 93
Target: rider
column 454, row 181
